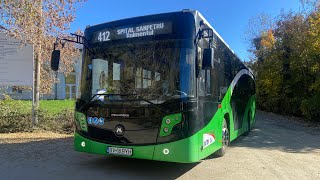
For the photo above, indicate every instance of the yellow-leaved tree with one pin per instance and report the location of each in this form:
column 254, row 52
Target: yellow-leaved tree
column 286, row 63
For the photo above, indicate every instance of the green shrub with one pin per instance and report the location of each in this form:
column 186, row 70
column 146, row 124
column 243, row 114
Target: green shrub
column 61, row 122
column 54, row 115
column 14, row 115
column 310, row 108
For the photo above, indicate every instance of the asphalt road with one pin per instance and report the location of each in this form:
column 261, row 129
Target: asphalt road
column 277, row 148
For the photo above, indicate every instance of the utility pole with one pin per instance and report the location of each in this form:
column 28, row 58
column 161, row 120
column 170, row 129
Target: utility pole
column 37, row 71
column 33, row 89
column 37, row 89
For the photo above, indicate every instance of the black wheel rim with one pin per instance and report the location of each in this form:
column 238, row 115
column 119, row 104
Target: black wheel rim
column 225, row 137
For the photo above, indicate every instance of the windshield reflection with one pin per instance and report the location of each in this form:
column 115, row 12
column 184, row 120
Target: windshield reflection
column 154, row 72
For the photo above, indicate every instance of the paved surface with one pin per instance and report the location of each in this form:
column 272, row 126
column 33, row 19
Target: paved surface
column 277, row 148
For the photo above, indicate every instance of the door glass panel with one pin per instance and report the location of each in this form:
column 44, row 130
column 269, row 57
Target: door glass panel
column 73, row 92
column 67, row 92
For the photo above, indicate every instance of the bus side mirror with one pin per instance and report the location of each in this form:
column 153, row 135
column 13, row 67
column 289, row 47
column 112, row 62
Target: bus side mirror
column 207, row 58
column 55, row 58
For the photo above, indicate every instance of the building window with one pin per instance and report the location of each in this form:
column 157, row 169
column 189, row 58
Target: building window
column 71, row 79
column 143, row 78
column 138, row 77
column 70, row 86
column 157, row 76
column 116, row 71
column 146, row 78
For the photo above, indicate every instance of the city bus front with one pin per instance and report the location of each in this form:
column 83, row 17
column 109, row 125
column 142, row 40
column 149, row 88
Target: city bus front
column 138, row 88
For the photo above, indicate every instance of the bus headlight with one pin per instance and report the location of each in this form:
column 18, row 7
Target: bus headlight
column 81, row 122
column 168, row 122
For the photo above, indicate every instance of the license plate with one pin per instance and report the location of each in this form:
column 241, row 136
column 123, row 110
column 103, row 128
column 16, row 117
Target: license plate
column 119, row 151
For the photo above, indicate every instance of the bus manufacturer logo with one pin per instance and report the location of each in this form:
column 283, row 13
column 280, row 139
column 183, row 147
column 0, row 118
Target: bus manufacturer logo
column 119, row 130
column 120, row 115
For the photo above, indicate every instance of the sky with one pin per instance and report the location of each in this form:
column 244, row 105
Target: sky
column 229, row 18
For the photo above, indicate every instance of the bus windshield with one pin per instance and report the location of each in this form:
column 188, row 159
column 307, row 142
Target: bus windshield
column 156, row 71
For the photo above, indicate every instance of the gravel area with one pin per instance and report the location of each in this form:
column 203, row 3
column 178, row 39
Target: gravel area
column 278, row 147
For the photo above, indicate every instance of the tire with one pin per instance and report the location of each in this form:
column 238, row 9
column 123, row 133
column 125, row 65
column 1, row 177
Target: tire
column 249, row 127
column 225, row 139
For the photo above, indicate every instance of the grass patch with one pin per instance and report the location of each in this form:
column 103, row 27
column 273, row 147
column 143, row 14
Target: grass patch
column 55, row 107
column 54, row 115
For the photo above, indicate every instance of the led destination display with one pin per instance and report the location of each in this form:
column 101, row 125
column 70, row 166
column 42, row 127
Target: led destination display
column 135, row 31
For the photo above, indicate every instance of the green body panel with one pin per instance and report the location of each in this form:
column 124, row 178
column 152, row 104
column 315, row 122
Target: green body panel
column 215, row 125
column 169, row 122
column 81, row 120
column 186, row 150
column 179, row 151
column 142, row 152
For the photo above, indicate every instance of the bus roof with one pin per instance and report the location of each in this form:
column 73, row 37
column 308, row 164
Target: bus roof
column 209, row 25
column 194, row 12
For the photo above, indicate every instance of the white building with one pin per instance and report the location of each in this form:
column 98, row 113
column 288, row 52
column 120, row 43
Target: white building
column 66, row 88
column 16, row 73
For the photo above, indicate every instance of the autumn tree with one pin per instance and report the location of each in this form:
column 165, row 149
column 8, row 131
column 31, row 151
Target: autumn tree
column 38, row 23
column 256, row 27
column 287, row 63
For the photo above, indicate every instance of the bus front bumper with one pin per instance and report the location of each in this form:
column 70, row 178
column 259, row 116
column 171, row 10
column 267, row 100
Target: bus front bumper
column 182, row 151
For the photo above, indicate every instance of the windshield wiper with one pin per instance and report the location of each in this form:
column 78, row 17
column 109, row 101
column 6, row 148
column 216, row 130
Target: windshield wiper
column 139, row 98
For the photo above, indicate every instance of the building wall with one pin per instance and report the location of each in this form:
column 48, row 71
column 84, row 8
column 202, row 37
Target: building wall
column 59, row 88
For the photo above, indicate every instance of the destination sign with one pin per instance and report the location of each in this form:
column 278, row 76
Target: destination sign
column 135, row 31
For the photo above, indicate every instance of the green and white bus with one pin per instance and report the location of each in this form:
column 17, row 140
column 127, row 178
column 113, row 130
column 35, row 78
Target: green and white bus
column 163, row 87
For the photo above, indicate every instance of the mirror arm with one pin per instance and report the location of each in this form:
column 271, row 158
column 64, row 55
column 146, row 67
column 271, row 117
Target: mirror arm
column 79, row 40
column 198, row 37
column 55, row 44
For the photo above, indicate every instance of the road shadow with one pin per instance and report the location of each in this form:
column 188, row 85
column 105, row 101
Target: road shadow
column 272, row 131
column 139, row 168
column 56, row 159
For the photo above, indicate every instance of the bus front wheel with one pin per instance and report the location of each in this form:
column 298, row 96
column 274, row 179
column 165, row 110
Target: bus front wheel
column 225, row 139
